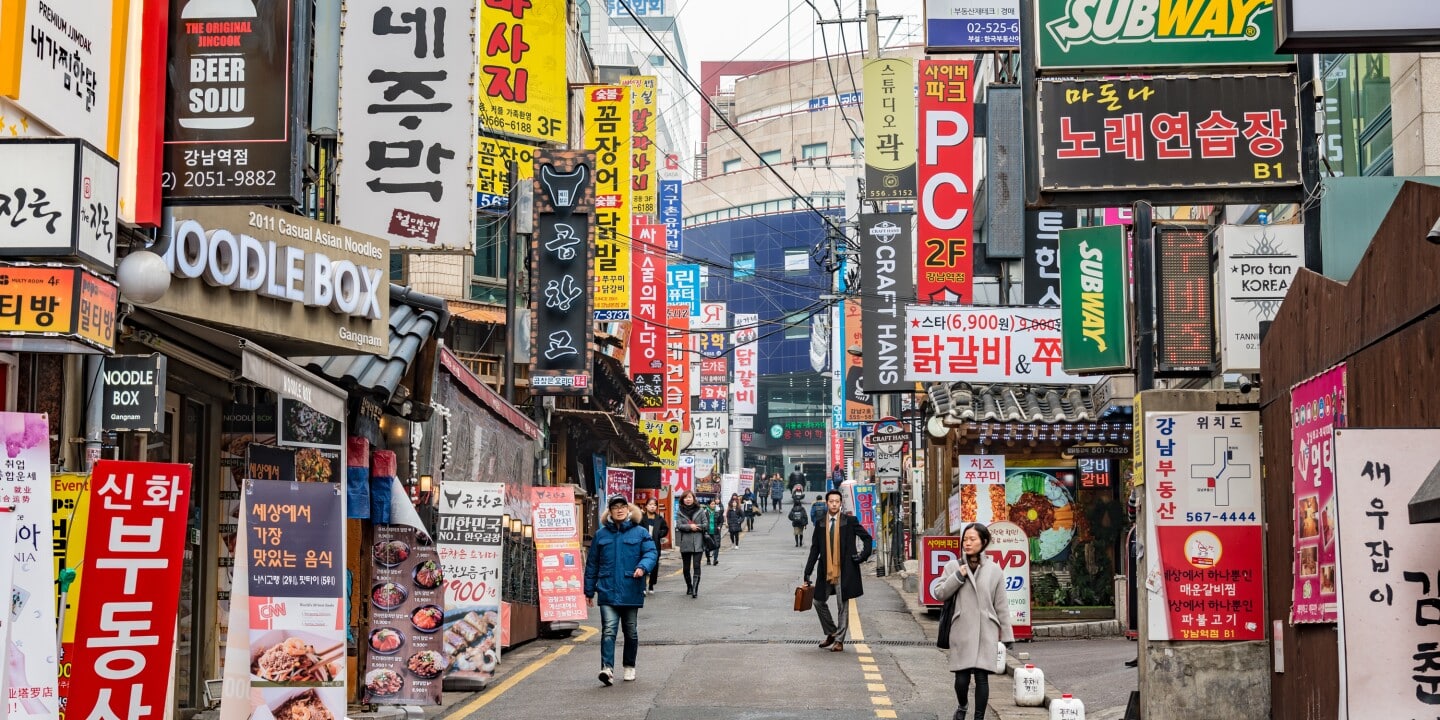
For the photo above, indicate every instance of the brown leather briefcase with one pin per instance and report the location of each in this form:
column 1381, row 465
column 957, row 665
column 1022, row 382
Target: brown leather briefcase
column 804, row 598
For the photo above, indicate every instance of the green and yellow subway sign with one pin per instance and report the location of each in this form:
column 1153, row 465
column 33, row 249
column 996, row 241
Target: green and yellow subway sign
column 1095, row 299
column 1155, row 33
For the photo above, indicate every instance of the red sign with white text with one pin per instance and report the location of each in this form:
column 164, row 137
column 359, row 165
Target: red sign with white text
column 131, row 598
column 944, row 242
column 677, row 367
column 935, row 552
column 1213, row 594
column 559, row 562
column 647, row 300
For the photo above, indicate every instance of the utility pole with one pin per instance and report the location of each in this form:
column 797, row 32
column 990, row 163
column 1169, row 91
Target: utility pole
column 872, row 28
column 511, row 280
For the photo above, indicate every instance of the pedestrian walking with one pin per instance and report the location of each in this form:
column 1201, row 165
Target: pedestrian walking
column 659, row 530
column 777, row 491
column 735, row 521
column 762, row 491
column 799, row 519
column 839, row 546
column 693, row 525
column 747, row 507
column 797, row 484
column 620, row 556
column 717, row 520
column 817, row 509
column 980, row 621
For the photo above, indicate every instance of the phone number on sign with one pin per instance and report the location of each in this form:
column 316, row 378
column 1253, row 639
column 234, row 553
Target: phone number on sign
column 1219, row 517
column 219, row 178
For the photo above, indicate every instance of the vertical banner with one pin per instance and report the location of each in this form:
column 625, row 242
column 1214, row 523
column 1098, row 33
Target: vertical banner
column 557, row 554
column 889, row 105
column 522, row 45
column 1094, row 299
column 233, row 129
column 1042, row 254
column 935, row 552
column 137, row 518
column 7, row 578
column 1256, row 264
column 618, row 481
column 856, row 401
column 888, row 279
column 747, row 363
column 747, row 480
column 1205, row 545
column 607, row 133
column 729, row 487
column 1317, row 410
column 561, row 274
column 467, row 539
column 946, row 177
column 644, row 92
column 671, row 208
column 405, row 566
column 1010, row 549
column 649, row 325
column 677, row 366
column 407, row 161
column 1388, row 587
column 294, row 594
column 683, row 287
column 70, row 500
column 866, row 507
column 33, row 666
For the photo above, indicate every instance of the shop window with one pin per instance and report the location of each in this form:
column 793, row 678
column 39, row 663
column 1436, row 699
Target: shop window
column 857, row 147
column 797, row 326
column 797, row 261
column 492, row 245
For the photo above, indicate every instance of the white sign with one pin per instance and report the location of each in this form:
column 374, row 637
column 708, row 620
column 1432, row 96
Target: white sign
column 32, row 669
column 407, row 151
column 1349, row 18
column 1257, row 265
column 1010, row 549
column 747, row 362
column 984, row 345
column 729, row 485
column 971, row 24
column 65, row 67
column 58, row 198
column 744, row 422
column 1389, row 612
column 712, row 314
column 1203, row 468
column 712, row 432
column 888, row 468
column 980, row 469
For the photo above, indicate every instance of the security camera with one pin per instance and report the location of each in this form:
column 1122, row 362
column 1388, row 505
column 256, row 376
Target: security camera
column 1434, row 234
column 1246, row 385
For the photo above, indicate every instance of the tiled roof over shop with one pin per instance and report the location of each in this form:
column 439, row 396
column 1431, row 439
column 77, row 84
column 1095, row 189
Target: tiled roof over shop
column 1013, row 403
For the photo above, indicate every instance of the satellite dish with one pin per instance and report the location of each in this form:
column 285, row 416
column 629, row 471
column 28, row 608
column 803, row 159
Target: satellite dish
column 936, row 427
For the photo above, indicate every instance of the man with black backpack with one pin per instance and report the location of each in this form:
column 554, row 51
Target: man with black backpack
column 799, row 519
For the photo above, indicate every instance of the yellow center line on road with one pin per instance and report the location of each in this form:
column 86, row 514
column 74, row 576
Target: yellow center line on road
column 880, row 698
column 586, row 632
column 512, row 681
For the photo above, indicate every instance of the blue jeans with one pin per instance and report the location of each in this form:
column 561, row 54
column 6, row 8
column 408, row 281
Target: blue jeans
column 611, row 617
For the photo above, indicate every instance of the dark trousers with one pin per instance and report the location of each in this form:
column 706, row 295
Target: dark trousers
column 799, row 536
column 691, row 563
column 734, row 537
column 612, row 620
column 982, row 690
column 654, row 575
column 714, row 555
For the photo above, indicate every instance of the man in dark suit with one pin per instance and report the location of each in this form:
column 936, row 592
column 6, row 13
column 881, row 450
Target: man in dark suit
column 839, row 546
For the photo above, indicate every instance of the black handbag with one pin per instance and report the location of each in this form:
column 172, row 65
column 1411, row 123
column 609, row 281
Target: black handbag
column 947, row 613
column 712, row 543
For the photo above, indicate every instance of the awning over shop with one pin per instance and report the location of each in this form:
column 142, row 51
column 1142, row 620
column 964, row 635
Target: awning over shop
column 491, row 399
column 478, row 312
column 404, row 380
column 621, row 436
column 1016, row 403
column 1425, row 503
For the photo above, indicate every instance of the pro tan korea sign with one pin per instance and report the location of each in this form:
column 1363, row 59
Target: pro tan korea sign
column 274, row 273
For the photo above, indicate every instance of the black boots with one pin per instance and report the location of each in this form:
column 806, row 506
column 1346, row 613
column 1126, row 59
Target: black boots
column 960, row 713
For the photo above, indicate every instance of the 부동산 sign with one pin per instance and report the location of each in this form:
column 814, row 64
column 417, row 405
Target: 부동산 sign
column 954, row 25
column 1094, row 299
column 1155, row 33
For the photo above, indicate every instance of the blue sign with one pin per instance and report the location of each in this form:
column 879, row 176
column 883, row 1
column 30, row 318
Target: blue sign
column 958, row 34
column 670, row 209
column 682, row 284
column 710, row 405
column 643, row 8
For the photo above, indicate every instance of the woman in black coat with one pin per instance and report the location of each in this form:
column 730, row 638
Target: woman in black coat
column 735, row 521
column 659, row 530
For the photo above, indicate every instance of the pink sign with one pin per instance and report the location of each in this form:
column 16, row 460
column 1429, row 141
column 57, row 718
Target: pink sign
column 619, row 481
column 1119, row 216
column 558, row 559
column 1317, row 408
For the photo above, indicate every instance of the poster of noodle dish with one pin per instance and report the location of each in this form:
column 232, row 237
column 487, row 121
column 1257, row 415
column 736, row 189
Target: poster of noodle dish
column 1040, row 500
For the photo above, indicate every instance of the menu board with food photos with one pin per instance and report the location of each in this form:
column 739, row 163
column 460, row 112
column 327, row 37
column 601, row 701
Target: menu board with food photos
column 405, row 664
column 468, row 539
column 319, row 438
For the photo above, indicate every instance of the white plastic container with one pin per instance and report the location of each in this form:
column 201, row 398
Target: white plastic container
column 1029, row 686
column 1067, row 708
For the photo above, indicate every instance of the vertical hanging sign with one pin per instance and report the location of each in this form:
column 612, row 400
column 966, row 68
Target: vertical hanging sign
column 889, row 129
column 946, row 179
column 32, row 669
column 649, row 327
column 560, row 274
column 522, row 44
column 607, row 132
column 1317, row 410
column 889, row 281
column 670, row 202
column 677, row 366
column 747, row 352
column 1095, row 299
column 644, row 94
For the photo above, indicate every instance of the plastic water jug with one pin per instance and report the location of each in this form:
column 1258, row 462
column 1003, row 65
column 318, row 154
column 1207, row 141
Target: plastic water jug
column 1029, row 686
column 1067, row 708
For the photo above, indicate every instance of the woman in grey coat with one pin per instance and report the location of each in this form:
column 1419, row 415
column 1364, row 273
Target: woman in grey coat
column 691, row 522
column 981, row 620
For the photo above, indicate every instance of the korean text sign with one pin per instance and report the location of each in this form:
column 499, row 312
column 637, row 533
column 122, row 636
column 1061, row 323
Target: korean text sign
column 492, row 170
column 126, row 619
column 981, row 469
column 59, row 196
column 1169, row 132
column 25, row 478
column 66, row 301
column 747, row 364
column 557, row 548
column 678, row 354
column 1042, row 254
column 560, row 279
column 1204, row 556
column 64, row 56
column 890, row 129
column 1389, row 589
column 468, row 540
column 998, row 344
column 683, row 287
column 935, row 552
column 648, row 309
column 952, row 25
column 522, row 56
column 607, row 132
column 405, row 618
column 644, row 95
column 407, row 171
column 1095, row 298
column 1317, row 410
column 671, row 207
column 946, row 179
column 1010, row 549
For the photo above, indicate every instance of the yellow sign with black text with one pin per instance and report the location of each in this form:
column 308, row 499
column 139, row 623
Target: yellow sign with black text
column 523, row 89
column 644, row 96
column 607, row 132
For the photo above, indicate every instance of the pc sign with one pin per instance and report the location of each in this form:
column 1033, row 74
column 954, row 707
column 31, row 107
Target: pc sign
column 935, row 552
column 1010, row 549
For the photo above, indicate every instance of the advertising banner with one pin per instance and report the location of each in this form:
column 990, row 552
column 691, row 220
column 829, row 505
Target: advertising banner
column 134, row 392
column 70, row 498
column 664, row 438
column 406, row 655
column 1205, row 547
column 65, row 309
column 1317, row 410
column 561, row 274
column 747, row 480
column 747, row 363
column 890, row 129
column 683, row 287
column 888, row 278
column 233, row 129
column 944, row 247
column 1216, row 131
column 1387, row 567
column 1042, row 254
column 935, row 552
column 867, row 508
column 33, row 667
column 711, row 431
column 467, row 538
column 958, row 25
column 137, row 520
column 854, row 400
column 980, row 469
column 1256, row 266
column 1010, row 549
column 1073, row 34
column 644, row 94
column 671, row 193
column 729, row 487
column 7, row 622
column 292, row 599
column 996, row 344
column 65, row 58
column 679, row 353
column 522, row 91
column 713, row 316
column 618, row 481
column 607, row 132
column 558, row 555
column 1095, row 299
column 648, row 307
column 64, row 194
column 492, row 164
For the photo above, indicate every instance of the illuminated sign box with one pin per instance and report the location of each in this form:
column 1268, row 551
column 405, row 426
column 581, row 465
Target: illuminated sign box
column 56, row 308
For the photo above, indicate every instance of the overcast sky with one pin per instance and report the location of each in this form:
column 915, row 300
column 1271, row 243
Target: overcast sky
column 781, row 29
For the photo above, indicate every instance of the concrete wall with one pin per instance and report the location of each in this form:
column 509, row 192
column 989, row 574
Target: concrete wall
column 1186, row 680
column 1415, row 112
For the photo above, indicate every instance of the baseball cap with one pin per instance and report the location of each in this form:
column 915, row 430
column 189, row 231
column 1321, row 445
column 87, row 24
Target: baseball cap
column 617, row 500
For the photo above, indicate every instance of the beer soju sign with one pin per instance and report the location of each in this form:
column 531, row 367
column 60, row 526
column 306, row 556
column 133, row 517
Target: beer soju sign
column 1156, row 33
column 1094, row 299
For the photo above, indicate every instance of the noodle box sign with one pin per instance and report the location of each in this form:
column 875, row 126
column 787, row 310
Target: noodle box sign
column 935, row 552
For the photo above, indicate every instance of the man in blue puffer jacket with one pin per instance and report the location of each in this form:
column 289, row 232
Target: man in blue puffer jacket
column 620, row 557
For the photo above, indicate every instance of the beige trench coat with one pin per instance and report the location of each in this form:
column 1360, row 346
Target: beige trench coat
column 981, row 618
